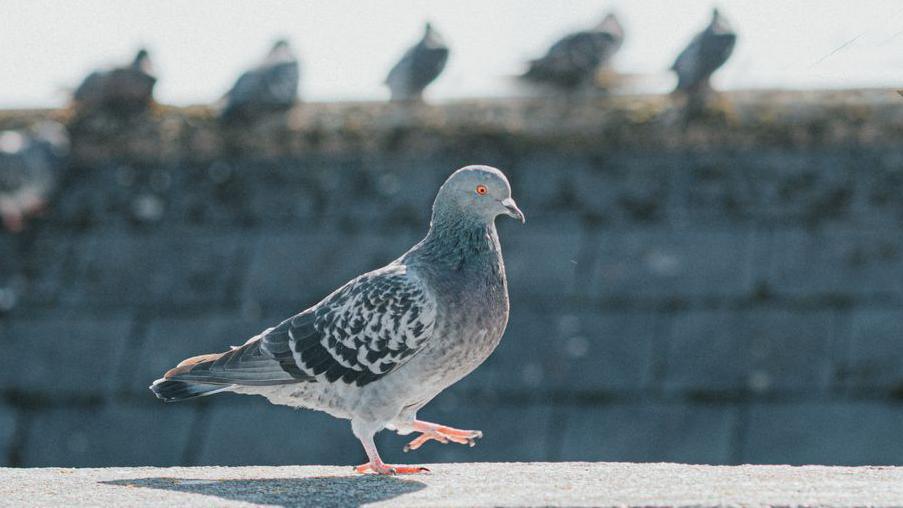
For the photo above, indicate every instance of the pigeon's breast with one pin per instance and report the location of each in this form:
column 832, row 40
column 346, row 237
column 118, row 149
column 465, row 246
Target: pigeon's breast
column 473, row 314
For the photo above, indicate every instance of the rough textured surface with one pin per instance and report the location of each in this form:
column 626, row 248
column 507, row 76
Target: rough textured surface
column 728, row 295
column 499, row 484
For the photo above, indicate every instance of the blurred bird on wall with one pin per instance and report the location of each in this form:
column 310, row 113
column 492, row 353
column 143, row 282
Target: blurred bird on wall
column 270, row 87
column 574, row 61
column 707, row 52
column 418, row 67
column 31, row 163
column 120, row 91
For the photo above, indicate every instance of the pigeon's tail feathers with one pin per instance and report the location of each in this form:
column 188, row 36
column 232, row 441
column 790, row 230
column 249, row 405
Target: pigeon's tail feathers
column 247, row 365
column 172, row 389
column 169, row 390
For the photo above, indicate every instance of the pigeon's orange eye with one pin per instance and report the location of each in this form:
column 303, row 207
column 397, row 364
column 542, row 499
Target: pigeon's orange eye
column 481, row 189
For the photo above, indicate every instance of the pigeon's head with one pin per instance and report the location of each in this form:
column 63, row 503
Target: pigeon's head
column 478, row 192
column 719, row 23
column 142, row 62
column 280, row 52
column 612, row 26
column 431, row 36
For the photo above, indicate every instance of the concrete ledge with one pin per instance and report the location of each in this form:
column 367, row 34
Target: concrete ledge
column 480, row 484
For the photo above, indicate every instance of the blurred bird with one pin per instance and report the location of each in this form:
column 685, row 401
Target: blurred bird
column 383, row 345
column 419, row 67
column 30, row 165
column 270, row 87
column 121, row 91
column 574, row 60
column 704, row 55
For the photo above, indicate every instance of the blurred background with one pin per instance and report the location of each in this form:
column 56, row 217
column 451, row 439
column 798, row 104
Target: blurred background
column 712, row 281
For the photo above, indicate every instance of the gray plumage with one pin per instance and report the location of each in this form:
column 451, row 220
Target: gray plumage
column 30, row 166
column 708, row 51
column 383, row 345
column 270, row 87
column 574, row 60
column 122, row 90
column 418, row 67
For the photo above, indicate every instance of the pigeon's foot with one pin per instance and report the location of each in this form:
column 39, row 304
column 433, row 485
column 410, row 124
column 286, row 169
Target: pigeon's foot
column 376, row 465
column 443, row 434
column 380, row 468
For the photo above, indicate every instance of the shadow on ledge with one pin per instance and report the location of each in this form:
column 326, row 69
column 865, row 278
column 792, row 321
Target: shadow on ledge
column 338, row 491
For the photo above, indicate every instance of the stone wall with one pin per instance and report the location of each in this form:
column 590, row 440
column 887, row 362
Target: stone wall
column 726, row 290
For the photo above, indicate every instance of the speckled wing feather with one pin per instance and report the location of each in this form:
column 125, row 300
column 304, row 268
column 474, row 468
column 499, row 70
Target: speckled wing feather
column 361, row 332
column 358, row 334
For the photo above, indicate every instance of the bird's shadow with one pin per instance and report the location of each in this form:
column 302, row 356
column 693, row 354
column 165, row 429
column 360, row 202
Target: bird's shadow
column 319, row 491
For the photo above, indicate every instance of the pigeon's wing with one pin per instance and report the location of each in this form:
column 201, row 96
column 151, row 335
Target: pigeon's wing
column 571, row 59
column 280, row 83
column 686, row 62
column 361, row 332
column 130, row 85
column 715, row 49
column 358, row 334
column 398, row 75
column 426, row 65
column 91, row 87
column 246, row 88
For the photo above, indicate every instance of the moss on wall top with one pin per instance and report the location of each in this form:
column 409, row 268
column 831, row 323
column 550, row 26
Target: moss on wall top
column 737, row 120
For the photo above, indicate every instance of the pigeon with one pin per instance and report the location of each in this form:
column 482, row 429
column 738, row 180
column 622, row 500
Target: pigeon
column 270, row 87
column 419, row 67
column 30, row 165
column 704, row 55
column 380, row 347
column 574, row 60
column 121, row 91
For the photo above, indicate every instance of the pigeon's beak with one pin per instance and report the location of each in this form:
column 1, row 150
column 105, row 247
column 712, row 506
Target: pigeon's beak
column 512, row 210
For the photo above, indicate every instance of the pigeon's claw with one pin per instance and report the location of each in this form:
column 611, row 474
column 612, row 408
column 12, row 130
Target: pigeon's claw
column 423, row 438
column 386, row 469
column 443, row 434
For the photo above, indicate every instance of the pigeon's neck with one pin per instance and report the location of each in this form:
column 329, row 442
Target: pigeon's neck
column 459, row 243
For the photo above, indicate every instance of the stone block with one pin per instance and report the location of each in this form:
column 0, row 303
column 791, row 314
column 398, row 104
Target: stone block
column 63, row 355
column 875, row 360
column 547, row 349
column 836, row 262
column 542, row 259
column 248, row 430
column 625, row 187
column 114, row 435
column 673, row 265
column 759, row 350
column 842, row 432
column 174, row 268
column 7, row 433
column 649, row 432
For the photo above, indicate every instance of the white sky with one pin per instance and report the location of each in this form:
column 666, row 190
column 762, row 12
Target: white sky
column 347, row 46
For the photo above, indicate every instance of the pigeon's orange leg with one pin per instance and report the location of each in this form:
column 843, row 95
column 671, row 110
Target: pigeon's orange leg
column 390, row 470
column 376, row 464
column 435, row 432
